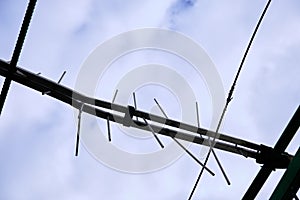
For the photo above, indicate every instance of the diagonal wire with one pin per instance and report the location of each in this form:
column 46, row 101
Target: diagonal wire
column 148, row 125
column 185, row 149
column 230, row 94
column 17, row 50
column 194, row 157
column 154, row 134
column 162, row 110
column 61, row 77
column 213, row 151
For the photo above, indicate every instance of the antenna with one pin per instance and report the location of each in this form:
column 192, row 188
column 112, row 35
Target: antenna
column 270, row 158
column 174, row 129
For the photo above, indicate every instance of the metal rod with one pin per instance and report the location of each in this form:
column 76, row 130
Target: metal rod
column 160, row 108
column 135, row 105
column 134, row 100
column 185, row 149
column 115, row 95
column 222, row 169
column 198, row 117
column 194, row 157
column 206, row 160
column 61, row 77
column 42, row 84
column 154, row 134
column 78, row 129
column 108, row 129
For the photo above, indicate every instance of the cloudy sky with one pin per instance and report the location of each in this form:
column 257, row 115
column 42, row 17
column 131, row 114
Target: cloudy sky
column 38, row 133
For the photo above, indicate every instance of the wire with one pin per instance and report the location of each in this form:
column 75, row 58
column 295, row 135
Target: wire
column 17, row 50
column 185, row 149
column 154, row 134
column 230, row 93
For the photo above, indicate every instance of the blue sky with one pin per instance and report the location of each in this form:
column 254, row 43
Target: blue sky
column 38, row 133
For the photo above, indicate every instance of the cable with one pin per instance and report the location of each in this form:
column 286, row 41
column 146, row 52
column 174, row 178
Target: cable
column 230, row 93
column 17, row 50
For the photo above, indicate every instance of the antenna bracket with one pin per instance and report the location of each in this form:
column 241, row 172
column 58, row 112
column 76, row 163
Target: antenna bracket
column 127, row 120
column 277, row 160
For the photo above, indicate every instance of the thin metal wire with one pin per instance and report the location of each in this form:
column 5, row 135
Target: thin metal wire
column 154, row 134
column 183, row 147
column 163, row 112
column 17, row 50
column 230, row 94
column 194, row 157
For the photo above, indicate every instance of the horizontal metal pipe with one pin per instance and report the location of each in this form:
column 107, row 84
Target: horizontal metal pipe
column 75, row 99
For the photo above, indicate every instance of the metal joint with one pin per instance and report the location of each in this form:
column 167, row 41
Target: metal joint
column 127, row 120
column 267, row 155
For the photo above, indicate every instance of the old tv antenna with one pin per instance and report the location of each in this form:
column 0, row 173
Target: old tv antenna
column 131, row 116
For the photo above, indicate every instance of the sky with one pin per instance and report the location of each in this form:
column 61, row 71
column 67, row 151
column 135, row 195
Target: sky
column 37, row 135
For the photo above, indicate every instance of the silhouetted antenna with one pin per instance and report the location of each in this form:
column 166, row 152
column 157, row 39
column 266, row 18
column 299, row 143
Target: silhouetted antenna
column 163, row 126
column 271, row 158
